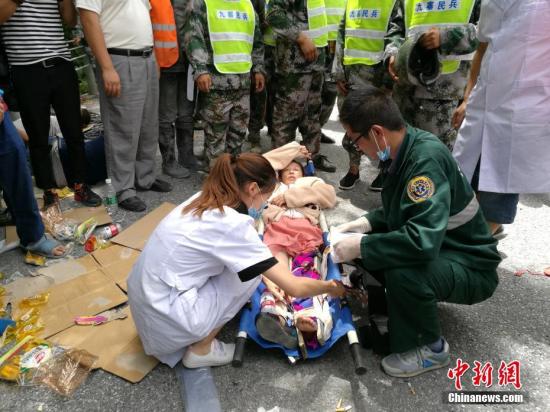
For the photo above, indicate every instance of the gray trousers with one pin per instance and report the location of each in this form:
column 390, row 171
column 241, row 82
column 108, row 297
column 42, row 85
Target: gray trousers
column 174, row 108
column 130, row 122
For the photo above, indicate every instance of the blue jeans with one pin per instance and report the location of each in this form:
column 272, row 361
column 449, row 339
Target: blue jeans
column 498, row 208
column 15, row 180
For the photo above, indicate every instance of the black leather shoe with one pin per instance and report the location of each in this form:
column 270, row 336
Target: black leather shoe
column 378, row 182
column 326, row 139
column 322, row 163
column 133, row 204
column 158, row 186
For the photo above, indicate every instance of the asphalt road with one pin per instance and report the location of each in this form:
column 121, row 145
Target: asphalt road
column 512, row 325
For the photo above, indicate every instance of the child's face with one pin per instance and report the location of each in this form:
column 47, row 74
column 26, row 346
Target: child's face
column 292, row 172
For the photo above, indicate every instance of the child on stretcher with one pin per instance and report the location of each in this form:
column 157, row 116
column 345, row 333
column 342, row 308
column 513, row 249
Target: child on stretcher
column 292, row 231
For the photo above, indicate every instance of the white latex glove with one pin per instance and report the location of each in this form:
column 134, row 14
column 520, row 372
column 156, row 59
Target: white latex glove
column 347, row 248
column 360, row 225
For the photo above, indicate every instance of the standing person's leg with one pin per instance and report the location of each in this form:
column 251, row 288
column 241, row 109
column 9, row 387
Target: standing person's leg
column 63, row 82
column 499, row 209
column 412, row 294
column 309, row 124
column 15, row 180
column 121, row 117
column 238, row 121
column 354, row 156
column 289, row 105
column 328, row 100
column 147, row 73
column 257, row 116
column 216, row 109
column 33, row 95
column 435, row 117
column 184, row 126
column 168, row 112
column 269, row 65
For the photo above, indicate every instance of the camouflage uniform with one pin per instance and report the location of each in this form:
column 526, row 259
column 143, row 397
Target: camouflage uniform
column 261, row 103
column 330, row 92
column 431, row 108
column 297, row 82
column 226, row 108
column 357, row 77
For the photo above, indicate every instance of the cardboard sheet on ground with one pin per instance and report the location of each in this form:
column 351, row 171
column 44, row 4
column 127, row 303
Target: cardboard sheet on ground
column 11, row 240
column 117, row 345
column 117, row 262
column 113, row 254
column 137, row 234
column 81, row 214
column 48, row 276
column 88, row 294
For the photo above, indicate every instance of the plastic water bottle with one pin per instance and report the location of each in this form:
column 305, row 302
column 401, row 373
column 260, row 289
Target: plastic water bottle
column 310, row 168
column 109, row 231
column 110, row 198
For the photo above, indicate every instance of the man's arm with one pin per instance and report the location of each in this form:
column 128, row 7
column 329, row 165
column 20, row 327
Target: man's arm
column 258, row 48
column 7, row 8
column 338, row 67
column 395, row 35
column 67, row 10
column 96, row 41
column 461, row 39
column 196, row 47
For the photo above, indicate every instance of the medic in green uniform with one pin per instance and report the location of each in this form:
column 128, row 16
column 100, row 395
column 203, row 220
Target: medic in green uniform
column 429, row 242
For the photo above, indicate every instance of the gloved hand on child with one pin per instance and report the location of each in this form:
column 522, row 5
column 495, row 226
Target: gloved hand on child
column 360, row 225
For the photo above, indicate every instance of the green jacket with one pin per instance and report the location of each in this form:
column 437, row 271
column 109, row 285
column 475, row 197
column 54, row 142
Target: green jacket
column 429, row 210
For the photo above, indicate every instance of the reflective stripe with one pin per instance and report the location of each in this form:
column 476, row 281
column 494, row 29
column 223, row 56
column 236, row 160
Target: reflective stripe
column 316, row 32
column 318, row 11
column 167, row 27
column 423, row 28
column 454, row 57
column 332, row 27
column 230, row 36
column 231, row 58
column 365, row 34
column 377, row 56
column 464, row 216
column 334, row 11
column 166, row 44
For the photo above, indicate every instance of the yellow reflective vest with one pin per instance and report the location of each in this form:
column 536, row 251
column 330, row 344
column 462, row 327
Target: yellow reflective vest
column 231, row 29
column 420, row 16
column 366, row 25
column 335, row 10
column 317, row 22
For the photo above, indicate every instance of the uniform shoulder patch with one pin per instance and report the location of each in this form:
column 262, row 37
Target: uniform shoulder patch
column 420, row 188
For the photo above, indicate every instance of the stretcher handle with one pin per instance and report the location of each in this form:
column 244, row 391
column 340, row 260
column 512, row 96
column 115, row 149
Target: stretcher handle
column 355, row 349
column 238, row 356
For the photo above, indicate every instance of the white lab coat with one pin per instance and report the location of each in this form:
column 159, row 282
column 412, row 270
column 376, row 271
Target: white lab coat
column 508, row 115
column 185, row 282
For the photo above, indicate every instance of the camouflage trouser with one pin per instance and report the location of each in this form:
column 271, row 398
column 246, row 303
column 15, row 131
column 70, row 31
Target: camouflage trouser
column 225, row 113
column 328, row 98
column 261, row 104
column 433, row 116
column 297, row 104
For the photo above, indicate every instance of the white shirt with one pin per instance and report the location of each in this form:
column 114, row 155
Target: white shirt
column 508, row 115
column 126, row 24
column 181, row 256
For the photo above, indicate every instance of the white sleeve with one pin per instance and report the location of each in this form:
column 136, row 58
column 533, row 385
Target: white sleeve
column 241, row 247
column 93, row 5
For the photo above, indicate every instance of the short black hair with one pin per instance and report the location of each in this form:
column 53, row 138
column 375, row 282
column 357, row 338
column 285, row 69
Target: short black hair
column 369, row 106
column 280, row 172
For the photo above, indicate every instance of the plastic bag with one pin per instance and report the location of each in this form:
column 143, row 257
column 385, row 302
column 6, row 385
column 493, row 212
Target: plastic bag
column 65, row 371
column 34, row 301
column 85, row 230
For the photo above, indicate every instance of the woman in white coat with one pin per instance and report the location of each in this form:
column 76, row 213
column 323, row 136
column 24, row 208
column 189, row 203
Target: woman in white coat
column 504, row 144
column 204, row 261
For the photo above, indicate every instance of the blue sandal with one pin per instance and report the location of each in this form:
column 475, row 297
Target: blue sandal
column 44, row 247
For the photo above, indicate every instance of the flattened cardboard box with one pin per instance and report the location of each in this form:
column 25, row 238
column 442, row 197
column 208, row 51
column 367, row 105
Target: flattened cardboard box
column 117, row 262
column 81, row 214
column 88, row 294
column 117, row 345
column 49, row 276
column 137, row 234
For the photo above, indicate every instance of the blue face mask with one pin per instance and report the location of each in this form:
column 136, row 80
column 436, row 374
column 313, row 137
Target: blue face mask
column 257, row 213
column 383, row 155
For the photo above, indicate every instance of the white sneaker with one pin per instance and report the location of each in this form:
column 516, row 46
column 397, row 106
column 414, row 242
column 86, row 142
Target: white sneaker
column 220, row 354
